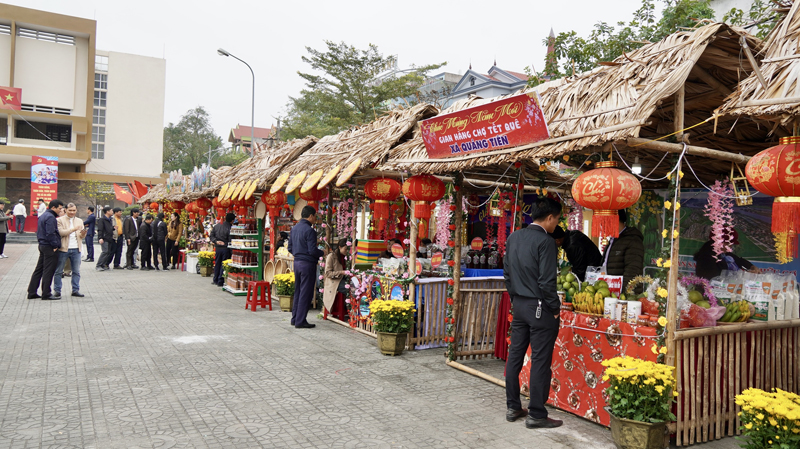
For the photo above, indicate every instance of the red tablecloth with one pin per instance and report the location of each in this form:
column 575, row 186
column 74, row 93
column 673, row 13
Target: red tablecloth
column 584, row 341
column 501, row 334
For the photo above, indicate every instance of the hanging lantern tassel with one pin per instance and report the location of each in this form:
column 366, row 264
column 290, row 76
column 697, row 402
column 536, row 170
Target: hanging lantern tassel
column 786, row 216
column 605, row 222
column 381, row 209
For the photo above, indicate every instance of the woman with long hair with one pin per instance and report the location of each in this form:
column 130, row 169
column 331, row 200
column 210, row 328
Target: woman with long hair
column 335, row 281
column 174, row 232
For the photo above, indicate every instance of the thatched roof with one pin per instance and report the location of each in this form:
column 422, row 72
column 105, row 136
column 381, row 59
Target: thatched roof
column 632, row 97
column 780, row 68
column 159, row 192
column 267, row 164
column 371, row 142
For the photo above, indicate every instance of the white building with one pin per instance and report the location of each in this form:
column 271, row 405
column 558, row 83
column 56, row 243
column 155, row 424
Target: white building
column 100, row 112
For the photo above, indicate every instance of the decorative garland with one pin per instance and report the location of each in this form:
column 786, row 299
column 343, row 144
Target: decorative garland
column 708, row 291
column 575, row 216
column 637, row 281
column 344, row 212
column 649, row 202
column 452, row 264
column 720, row 211
column 506, row 198
column 443, row 215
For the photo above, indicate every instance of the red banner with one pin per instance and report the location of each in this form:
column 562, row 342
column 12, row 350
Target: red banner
column 44, row 178
column 510, row 122
column 11, row 98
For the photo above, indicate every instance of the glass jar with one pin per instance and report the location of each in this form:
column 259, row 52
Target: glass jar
column 643, row 320
column 654, row 321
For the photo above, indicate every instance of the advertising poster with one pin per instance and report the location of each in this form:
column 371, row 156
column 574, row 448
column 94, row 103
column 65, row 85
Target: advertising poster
column 44, row 178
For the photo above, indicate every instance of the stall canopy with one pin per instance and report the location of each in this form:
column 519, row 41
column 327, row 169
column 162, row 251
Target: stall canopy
column 777, row 99
column 267, row 164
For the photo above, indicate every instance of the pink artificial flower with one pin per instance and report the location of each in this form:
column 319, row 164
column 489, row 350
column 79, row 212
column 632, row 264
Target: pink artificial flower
column 406, row 241
column 405, row 275
column 321, row 278
column 320, row 290
column 322, row 265
column 324, row 225
column 347, row 301
column 349, row 243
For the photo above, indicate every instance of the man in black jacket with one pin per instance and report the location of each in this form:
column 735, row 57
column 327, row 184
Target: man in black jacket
column 303, row 246
column 530, row 268
column 106, row 236
column 580, row 250
column 49, row 243
column 221, row 236
column 89, row 224
column 160, row 242
column 130, row 229
column 146, row 242
column 624, row 255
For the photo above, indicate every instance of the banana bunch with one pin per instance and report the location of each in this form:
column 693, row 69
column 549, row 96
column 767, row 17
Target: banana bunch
column 588, row 303
column 737, row 312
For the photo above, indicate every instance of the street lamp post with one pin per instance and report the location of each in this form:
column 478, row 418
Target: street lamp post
column 222, row 52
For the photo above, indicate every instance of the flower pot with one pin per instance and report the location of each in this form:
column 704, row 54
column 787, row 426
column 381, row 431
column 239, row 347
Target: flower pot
column 392, row 344
column 285, row 302
column 628, row 434
column 206, row 271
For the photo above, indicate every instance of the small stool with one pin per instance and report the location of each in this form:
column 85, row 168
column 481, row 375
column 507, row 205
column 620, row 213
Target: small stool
column 182, row 260
column 254, row 299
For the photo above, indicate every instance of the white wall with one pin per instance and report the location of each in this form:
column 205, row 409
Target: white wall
column 134, row 116
column 81, row 74
column 5, row 55
column 46, row 73
column 721, row 7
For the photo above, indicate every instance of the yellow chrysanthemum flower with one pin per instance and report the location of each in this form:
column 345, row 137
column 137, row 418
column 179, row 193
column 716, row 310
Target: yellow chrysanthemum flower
column 664, row 233
column 662, row 292
column 678, row 206
column 662, row 321
column 675, row 234
column 663, row 350
column 667, row 204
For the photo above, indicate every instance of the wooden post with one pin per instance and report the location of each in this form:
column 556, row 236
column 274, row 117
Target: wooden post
column 459, row 222
column 412, row 253
column 672, row 279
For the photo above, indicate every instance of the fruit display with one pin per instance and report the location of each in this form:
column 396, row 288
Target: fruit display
column 737, row 312
column 588, row 303
column 567, row 282
column 697, row 298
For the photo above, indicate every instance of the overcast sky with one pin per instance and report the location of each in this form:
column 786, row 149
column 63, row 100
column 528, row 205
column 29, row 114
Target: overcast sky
column 272, row 35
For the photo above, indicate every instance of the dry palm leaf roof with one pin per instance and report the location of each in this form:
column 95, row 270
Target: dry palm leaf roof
column 780, row 101
column 266, row 165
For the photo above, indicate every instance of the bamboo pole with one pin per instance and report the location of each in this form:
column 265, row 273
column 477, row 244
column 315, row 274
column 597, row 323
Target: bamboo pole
column 694, row 150
column 672, row 280
column 459, row 222
column 477, row 182
column 684, row 334
column 476, row 373
column 753, row 63
column 357, row 329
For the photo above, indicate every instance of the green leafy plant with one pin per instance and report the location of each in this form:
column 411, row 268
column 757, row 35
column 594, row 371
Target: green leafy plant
column 769, row 420
column 639, row 390
column 392, row 316
column 284, row 284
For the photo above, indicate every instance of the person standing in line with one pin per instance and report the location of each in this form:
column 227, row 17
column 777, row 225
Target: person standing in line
column 106, row 236
column 4, row 218
column 174, row 233
column 160, row 242
column 42, row 208
column 221, row 236
column 146, row 243
column 120, row 240
column 89, row 225
column 530, row 268
column 624, row 255
column 71, row 230
column 49, row 244
column 303, row 246
column 19, row 216
column 130, row 231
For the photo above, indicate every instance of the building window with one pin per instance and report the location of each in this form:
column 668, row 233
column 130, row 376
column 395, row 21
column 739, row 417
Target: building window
column 100, row 63
column 472, row 81
column 43, row 131
column 101, row 81
column 3, row 131
column 46, row 109
column 5, row 29
column 100, row 98
column 99, row 117
column 46, row 36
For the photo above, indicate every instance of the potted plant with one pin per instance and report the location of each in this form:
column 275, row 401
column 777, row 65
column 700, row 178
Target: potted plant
column 639, row 398
column 205, row 260
column 392, row 320
column 284, row 288
column 769, row 420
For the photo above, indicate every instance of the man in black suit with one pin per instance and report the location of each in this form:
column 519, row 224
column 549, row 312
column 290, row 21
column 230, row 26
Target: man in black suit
column 529, row 269
column 106, row 236
column 146, row 242
column 89, row 224
column 49, row 242
column 160, row 242
column 130, row 229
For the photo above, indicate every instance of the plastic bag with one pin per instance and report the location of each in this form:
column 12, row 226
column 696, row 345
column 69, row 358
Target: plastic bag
column 696, row 316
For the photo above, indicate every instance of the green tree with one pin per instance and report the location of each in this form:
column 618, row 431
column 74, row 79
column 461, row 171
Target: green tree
column 576, row 54
column 96, row 192
column 186, row 144
column 760, row 19
column 345, row 89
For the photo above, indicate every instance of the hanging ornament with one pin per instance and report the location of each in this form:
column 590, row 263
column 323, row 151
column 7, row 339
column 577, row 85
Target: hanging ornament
column 423, row 189
column 274, row 202
column 776, row 172
column 382, row 190
column 178, row 205
column 314, row 196
column 606, row 190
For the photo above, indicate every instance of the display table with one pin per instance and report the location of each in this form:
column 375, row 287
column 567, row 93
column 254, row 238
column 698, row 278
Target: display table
column 583, row 342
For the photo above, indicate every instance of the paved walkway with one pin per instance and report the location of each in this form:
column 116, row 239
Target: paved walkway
column 160, row 360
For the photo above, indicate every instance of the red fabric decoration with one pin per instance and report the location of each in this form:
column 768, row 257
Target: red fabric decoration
column 605, row 190
column 450, row 282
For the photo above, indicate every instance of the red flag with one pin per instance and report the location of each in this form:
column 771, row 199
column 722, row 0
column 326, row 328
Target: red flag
column 133, row 191
column 140, row 188
column 11, row 98
column 122, row 194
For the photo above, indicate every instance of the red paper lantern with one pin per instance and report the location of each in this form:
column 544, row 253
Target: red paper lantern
column 314, row 196
column 606, row 190
column 154, row 206
column 423, row 189
column 215, row 202
column 203, row 203
column 274, row 202
column 178, row 205
column 202, row 212
column 226, row 203
column 776, row 172
column 382, row 190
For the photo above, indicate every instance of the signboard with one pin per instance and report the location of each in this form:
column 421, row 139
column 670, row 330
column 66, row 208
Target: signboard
column 506, row 123
column 436, row 259
column 419, row 267
column 11, row 98
column 476, row 244
column 397, row 250
column 44, row 178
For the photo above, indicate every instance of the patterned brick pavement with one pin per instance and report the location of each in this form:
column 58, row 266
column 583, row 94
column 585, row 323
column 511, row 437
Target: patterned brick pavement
column 163, row 360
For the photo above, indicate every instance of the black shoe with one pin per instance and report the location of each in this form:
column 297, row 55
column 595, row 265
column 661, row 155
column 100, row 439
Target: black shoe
column 150, row 268
column 101, row 269
column 174, row 267
column 55, row 293
column 117, row 267
column 133, row 267
column 544, row 423
column 51, row 298
column 88, row 260
column 143, row 268
column 78, row 294
column 165, row 269
column 306, row 326
column 512, row 415
column 34, row 296
column 129, row 268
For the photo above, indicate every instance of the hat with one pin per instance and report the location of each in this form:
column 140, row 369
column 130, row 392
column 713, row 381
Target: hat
column 21, row 200
column 558, row 233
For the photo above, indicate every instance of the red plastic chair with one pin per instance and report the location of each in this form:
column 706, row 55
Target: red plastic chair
column 182, row 260
column 259, row 293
